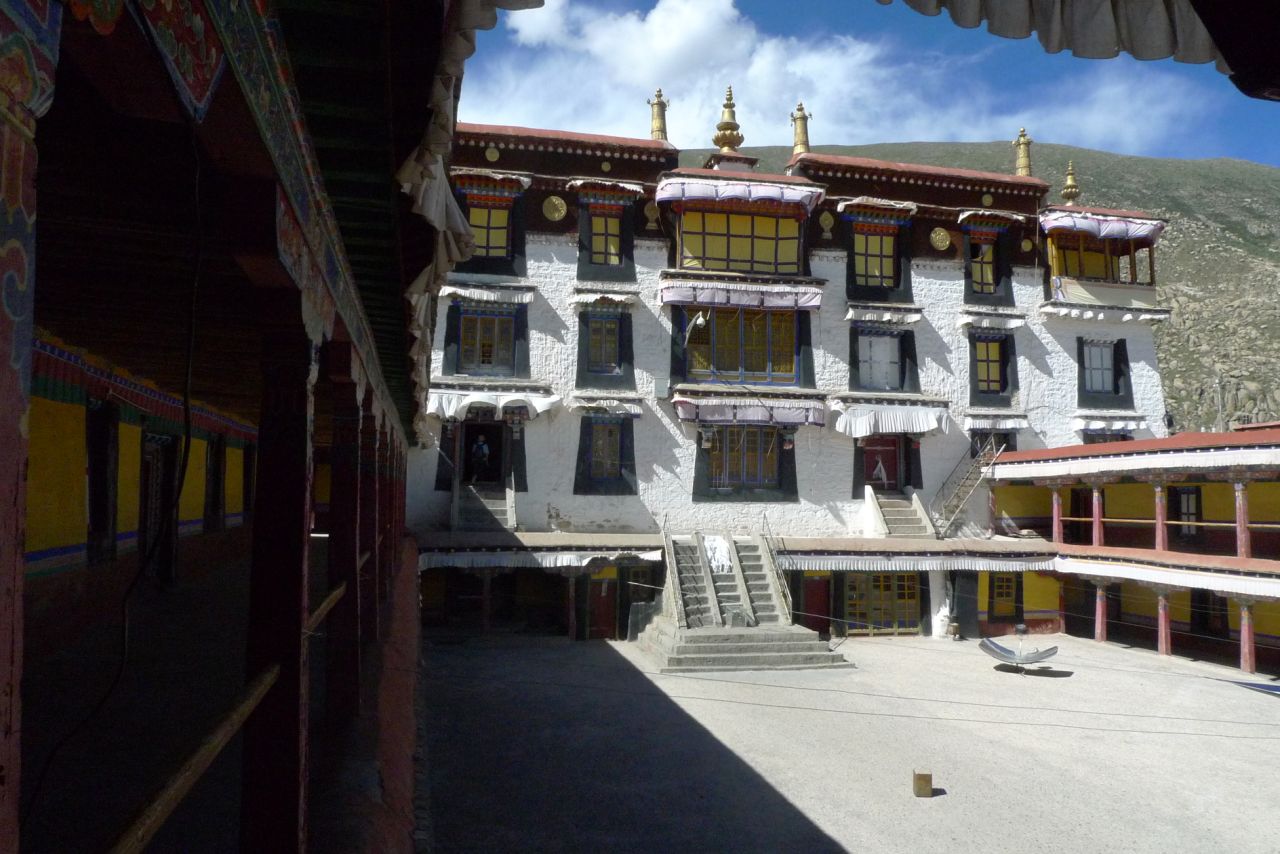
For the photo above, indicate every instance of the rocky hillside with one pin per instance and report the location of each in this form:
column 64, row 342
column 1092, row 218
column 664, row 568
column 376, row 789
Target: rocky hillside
column 1218, row 264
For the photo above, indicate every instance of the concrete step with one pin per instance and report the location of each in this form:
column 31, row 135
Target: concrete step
column 833, row 665
column 753, row 661
column 751, row 648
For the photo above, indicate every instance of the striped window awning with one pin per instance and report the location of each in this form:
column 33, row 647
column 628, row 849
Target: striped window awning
column 914, row 563
column 779, row 411
column 989, row 320
column 742, row 294
column 904, row 315
column 857, row 420
column 454, row 404
column 618, row 297
column 1102, row 227
column 482, row 293
column 701, row 189
column 535, row 559
column 611, row 405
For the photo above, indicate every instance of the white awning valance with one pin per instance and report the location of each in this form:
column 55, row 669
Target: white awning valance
column 989, row 321
column 454, row 404
column 781, row 412
column 703, row 189
column 1118, row 423
column 478, row 293
column 1230, row 583
column 515, row 559
column 614, row 406
column 989, row 214
column 588, row 297
column 867, row 419
column 1102, row 227
column 1010, row 421
column 466, row 172
column 908, row 208
column 873, row 314
column 742, row 294
column 915, row 563
column 597, row 184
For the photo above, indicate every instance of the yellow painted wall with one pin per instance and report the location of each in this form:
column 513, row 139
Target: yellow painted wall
column 191, row 504
column 1264, row 501
column 57, row 487
column 1219, row 502
column 605, row 573
column 234, row 483
column 1137, row 600
column 1039, row 592
column 1266, row 617
column 321, row 484
column 984, row 594
column 1130, row 501
column 1021, row 501
column 128, row 478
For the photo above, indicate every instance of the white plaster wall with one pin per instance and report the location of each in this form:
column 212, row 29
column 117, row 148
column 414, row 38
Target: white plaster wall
column 665, row 448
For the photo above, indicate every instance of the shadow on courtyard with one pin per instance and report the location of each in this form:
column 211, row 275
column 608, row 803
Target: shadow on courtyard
column 540, row 744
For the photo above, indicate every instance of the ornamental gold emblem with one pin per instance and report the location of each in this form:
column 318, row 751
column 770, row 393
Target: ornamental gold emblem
column 939, row 239
column 554, row 208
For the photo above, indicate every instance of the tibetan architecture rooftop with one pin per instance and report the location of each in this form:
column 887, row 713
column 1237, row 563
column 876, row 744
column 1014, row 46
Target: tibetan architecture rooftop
column 842, row 165
column 536, row 139
column 1178, row 442
column 1105, row 212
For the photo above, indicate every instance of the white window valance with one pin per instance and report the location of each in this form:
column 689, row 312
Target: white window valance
column 588, row 297
column 742, row 294
column 517, row 559
column 597, row 184
column 611, row 405
column 454, row 404
column 781, row 412
column 478, row 293
column 874, row 314
column 703, row 189
column 867, row 419
column 908, row 208
column 467, row 172
column 1116, row 423
column 989, row 214
column 915, row 563
column 989, row 321
column 1101, row 226
column 997, row 422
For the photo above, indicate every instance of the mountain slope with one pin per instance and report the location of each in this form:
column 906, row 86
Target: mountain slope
column 1217, row 266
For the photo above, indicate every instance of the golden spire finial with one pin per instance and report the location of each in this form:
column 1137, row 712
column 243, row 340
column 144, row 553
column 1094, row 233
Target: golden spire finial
column 800, row 120
column 727, row 137
column 1070, row 189
column 658, row 120
column 1022, row 160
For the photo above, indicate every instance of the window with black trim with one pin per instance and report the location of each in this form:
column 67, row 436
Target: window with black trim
column 606, row 456
column 602, row 344
column 739, row 462
column 486, row 340
column 993, row 374
column 982, row 265
column 1103, row 373
column 988, row 276
column 742, row 345
column 606, row 239
column 749, row 243
column 874, row 257
column 882, row 358
column 606, row 243
column 1186, row 507
column 492, row 229
column 497, row 224
column 605, row 358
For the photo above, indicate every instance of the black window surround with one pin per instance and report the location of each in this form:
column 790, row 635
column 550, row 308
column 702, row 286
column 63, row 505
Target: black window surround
column 625, row 483
column 862, row 292
column 625, row 271
column 451, row 365
column 786, row 490
column 1008, row 370
column 908, row 367
column 1002, row 293
column 1122, row 395
column 624, row 377
column 681, row 316
column 512, row 265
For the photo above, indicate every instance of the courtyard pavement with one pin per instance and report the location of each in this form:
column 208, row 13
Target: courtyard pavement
column 545, row 745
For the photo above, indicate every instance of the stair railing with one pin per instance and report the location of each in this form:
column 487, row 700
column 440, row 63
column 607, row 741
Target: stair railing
column 969, row 472
column 672, row 598
column 782, row 590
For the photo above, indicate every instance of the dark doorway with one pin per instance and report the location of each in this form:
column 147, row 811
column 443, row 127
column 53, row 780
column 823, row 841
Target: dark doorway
column 882, row 462
column 157, row 523
column 102, row 440
column 816, row 604
column 1080, row 532
column 603, row 608
column 1209, row 613
column 484, row 461
column 966, row 603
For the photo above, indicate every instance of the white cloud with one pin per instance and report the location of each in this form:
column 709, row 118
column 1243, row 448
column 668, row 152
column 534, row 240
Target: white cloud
column 575, row 67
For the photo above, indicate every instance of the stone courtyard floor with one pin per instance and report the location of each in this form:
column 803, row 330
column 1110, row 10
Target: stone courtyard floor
column 547, row 745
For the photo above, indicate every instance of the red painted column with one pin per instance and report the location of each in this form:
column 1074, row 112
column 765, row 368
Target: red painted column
column 343, row 625
column 1248, row 650
column 1098, row 539
column 26, row 90
column 1164, row 632
column 1162, row 517
column 274, row 782
column 1100, row 612
column 370, row 625
column 1244, row 547
column 1056, row 498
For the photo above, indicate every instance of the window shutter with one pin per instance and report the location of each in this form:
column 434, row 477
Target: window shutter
column 1009, row 354
column 904, row 263
column 859, row 473
column 522, row 342
column 1081, row 394
column 626, row 355
column 701, row 470
column 804, row 338
column 584, row 349
column 909, row 366
column 444, row 458
column 1120, row 364
column 452, row 324
column 627, row 467
column 679, row 322
column 582, row 475
column 519, row 467
column 854, row 362
column 973, row 361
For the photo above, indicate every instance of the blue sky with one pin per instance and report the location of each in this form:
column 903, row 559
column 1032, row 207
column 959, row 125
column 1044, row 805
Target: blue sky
column 867, row 73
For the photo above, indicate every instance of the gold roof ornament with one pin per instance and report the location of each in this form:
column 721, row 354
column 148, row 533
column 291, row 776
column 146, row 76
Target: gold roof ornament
column 658, row 119
column 1022, row 147
column 1070, row 189
column 800, row 121
column 727, row 137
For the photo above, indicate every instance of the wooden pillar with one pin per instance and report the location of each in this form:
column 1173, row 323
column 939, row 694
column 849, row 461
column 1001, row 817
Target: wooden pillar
column 1248, row 650
column 1098, row 538
column 1056, row 499
column 26, row 90
column 1244, row 547
column 274, row 783
column 370, row 625
column 1164, row 632
column 343, row 626
column 1100, row 611
column 1162, row 516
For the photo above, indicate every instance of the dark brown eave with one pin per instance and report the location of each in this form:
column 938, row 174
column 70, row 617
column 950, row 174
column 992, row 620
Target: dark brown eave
column 753, row 177
column 843, row 166
column 566, row 142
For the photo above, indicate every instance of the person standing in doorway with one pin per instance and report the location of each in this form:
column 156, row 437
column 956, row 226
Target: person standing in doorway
column 479, row 458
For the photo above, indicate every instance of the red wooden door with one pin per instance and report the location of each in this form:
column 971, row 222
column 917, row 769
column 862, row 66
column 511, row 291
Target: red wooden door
column 817, row 604
column 881, row 459
column 603, row 609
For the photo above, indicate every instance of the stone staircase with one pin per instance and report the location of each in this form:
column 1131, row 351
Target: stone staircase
column 481, row 510
column 730, row 619
column 902, row 518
